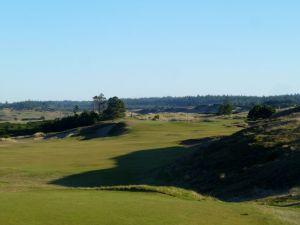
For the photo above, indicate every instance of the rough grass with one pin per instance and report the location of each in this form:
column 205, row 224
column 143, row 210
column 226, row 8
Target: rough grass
column 261, row 161
column 239, row 119
column 41, row 181
column 23, row 116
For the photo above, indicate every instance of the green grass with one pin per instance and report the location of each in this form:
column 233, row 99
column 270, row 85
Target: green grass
column 147, row 146
column 115, row 208
column 39, row 180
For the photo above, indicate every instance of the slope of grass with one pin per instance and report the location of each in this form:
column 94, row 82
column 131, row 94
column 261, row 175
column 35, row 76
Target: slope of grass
column 39, row 180
column 263, row 160
column 147, row 146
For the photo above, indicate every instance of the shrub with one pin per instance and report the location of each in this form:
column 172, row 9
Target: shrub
column 225, row 109
column 83, row 119
column 57, row 125
column 156, row 117
column 261, row 112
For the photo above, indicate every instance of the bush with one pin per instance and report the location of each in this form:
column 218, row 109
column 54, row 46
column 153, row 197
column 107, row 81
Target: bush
column 225, row 109
column 261, row 112
column 57, row 125
column 156, row 117
column 70, row 122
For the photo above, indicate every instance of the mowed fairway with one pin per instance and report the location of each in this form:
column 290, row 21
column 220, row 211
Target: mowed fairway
column 120, row 208
column 39, row 180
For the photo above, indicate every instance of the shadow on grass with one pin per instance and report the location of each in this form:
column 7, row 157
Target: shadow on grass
column 141, row 167
column 237, row 169
column 229, row 169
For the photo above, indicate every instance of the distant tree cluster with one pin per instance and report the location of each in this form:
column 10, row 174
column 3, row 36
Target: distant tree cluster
column 261, row 112
column 70, row 122
column 112, row 108
column 48, row 105
column 115, row 108
column 57, row 125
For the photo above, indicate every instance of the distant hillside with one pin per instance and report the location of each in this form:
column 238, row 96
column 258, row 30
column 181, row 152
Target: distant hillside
column 193, row 103
column 260, row 161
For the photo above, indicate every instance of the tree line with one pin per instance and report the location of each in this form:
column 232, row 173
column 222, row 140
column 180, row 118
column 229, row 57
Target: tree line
column 245, row 102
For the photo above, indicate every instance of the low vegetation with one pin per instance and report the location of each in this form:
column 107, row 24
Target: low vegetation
column 24, row 116
column 57, row 125
column 261, row 112
column 225, row 109
column 114, row 109
column 262, row 160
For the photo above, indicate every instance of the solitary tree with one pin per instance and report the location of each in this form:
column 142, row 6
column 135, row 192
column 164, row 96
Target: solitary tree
column 99, row 103
column 76, row 109
column 95, row 103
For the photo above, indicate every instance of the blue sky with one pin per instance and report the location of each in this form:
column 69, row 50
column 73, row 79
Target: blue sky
column 62, row 49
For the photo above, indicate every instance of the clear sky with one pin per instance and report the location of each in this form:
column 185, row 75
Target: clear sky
column 75, row 49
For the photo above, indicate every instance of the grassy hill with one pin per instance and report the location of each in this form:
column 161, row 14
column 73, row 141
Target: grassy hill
column 72, row 181
column 259, row 161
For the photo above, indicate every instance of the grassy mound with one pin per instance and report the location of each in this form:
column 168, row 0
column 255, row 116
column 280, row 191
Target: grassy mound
column 259, row 161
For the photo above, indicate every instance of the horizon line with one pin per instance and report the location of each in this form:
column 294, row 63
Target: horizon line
column 155, row 97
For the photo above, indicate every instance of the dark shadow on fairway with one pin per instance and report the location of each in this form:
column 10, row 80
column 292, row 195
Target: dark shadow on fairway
column 208, row 166
column 141, row 167
column 236, row 170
